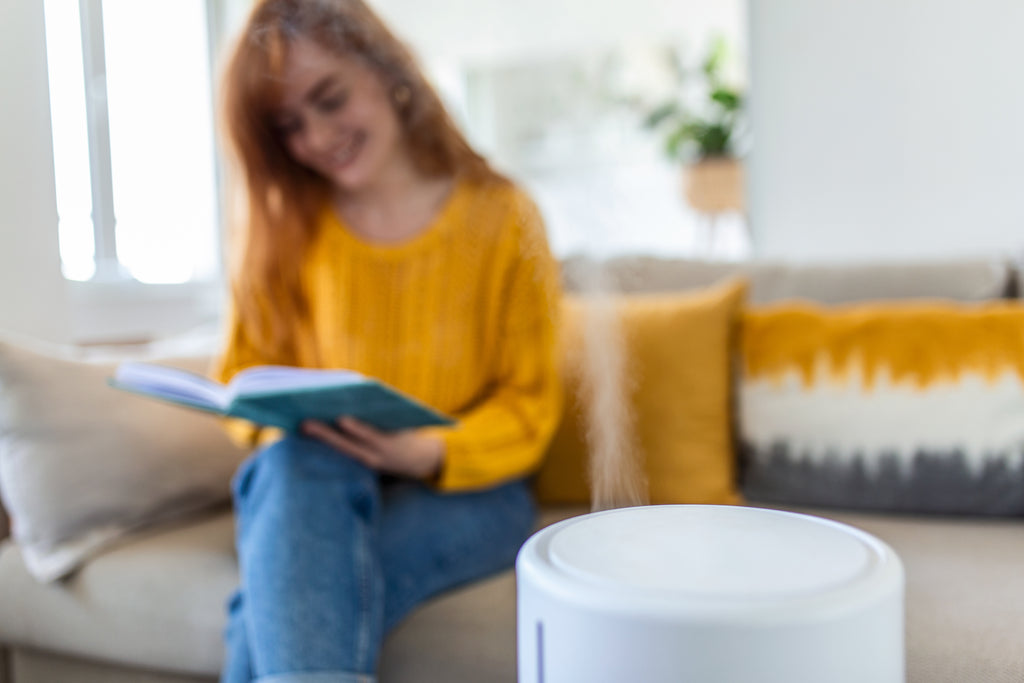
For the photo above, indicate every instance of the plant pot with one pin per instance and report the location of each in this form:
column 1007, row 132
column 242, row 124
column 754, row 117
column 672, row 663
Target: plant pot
column 714, row 185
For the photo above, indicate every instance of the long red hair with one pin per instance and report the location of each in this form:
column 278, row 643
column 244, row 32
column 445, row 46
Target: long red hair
column 276, row 202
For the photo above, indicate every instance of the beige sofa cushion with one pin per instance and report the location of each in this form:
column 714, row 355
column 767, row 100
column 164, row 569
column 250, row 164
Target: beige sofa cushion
column 968, row 279
column 964, row 594
column 32, row 666
column 159, row 603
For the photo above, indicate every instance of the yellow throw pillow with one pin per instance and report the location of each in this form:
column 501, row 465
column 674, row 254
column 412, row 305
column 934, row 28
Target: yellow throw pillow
column 678, row 350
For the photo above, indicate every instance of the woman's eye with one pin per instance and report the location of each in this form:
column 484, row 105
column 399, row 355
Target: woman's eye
column 331, row 103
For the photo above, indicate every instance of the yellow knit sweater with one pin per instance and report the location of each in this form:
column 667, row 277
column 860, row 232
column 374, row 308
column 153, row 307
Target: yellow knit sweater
column 461, row 316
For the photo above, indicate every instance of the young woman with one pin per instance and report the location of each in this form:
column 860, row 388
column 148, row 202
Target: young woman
column 374, row 238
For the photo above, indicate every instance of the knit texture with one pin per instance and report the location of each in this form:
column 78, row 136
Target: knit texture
column 462, row 317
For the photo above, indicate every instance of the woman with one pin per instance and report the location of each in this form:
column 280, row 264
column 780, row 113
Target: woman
column 374, row 239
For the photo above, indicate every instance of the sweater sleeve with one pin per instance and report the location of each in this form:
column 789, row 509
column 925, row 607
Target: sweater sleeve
column 238, row 354
column 504, row 436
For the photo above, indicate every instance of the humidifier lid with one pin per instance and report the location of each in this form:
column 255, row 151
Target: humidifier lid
column 713, row 552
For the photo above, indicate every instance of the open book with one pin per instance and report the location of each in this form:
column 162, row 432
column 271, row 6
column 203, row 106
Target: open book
column 280, row 396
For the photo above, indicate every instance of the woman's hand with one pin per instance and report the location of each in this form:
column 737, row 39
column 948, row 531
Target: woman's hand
column 405, row 453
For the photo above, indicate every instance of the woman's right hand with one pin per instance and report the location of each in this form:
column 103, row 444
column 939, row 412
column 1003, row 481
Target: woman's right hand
column 407, row 453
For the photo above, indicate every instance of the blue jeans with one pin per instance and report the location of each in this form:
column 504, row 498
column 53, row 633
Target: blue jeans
column 331, row 559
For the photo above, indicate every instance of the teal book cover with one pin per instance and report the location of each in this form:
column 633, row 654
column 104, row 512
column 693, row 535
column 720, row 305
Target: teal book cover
column 278, row 396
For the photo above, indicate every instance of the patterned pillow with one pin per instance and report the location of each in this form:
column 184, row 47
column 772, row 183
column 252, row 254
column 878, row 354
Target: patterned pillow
column 915, row 407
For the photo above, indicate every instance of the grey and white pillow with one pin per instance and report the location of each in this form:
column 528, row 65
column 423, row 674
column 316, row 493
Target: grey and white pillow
column 914, row 407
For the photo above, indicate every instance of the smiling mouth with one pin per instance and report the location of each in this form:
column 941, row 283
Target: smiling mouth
column 344, row 155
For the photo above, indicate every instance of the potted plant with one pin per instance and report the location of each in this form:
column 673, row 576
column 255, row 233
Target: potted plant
column 702, row 126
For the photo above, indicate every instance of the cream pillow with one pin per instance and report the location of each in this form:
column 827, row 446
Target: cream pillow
column 679, row 350
column 82, row 464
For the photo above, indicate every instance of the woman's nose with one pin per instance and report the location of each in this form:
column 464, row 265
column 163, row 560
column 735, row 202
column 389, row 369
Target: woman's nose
column 318, row 134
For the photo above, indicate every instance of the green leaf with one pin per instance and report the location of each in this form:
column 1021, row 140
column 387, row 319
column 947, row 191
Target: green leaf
column 660, row 114
column 716, row 56
column 686, row 134
column 674, row 142
column 714, row 140
column 729, row 99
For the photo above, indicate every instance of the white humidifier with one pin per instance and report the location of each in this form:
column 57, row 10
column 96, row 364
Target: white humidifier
column 708, row 594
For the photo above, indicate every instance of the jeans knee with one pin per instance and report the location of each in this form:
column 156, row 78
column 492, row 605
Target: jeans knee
column 305, row 458
column 298, row 467
column 281, row 457
column 272, row 464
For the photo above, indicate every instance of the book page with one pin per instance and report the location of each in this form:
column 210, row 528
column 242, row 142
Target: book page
column 272, row 379
column 172, row 383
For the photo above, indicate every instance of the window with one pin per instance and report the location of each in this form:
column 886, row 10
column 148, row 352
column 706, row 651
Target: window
column 131, row 108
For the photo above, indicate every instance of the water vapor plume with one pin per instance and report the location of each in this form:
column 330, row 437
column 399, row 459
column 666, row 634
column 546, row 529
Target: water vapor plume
column 615, row 470
column 616, row 478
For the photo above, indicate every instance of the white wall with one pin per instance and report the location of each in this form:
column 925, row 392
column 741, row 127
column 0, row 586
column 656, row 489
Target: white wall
column 493, row 30
column 32, row 293
column 887, row 128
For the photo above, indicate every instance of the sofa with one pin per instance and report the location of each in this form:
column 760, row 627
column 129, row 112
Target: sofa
column 146, row 605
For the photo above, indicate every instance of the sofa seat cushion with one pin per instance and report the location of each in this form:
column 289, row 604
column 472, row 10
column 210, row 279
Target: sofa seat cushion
column 964, row 593
column 157, row 601
column 154, row 601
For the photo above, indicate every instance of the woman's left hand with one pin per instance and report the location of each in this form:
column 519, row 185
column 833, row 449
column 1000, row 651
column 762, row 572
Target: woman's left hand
column 405, row 453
